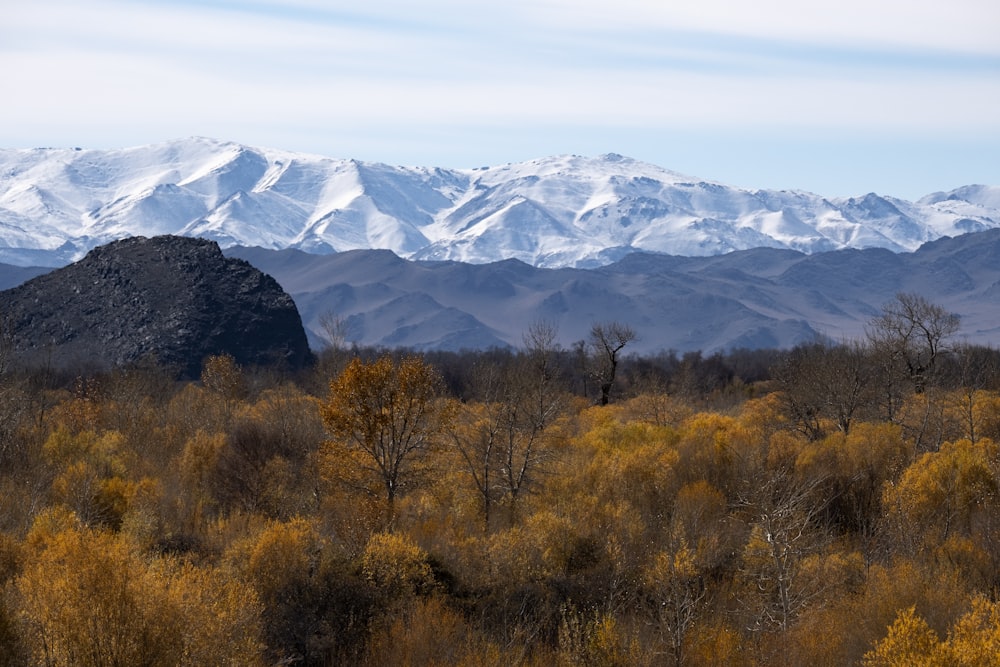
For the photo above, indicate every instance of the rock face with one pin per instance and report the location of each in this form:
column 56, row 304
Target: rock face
column 172, row 298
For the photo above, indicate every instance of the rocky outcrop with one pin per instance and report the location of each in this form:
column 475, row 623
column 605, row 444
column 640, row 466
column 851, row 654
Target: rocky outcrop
column 171, row 298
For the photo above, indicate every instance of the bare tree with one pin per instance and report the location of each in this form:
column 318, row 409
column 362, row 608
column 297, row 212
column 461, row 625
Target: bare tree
column 823, row 383
column 541, row 350
column 12, row 403
column 607, row 342
column 334, row 330
column 501, row 437
column 913, row 332
column 974, row 369
column 476, row 434
column 784, row 513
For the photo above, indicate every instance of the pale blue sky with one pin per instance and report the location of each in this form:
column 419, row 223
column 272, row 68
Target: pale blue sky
column 840, row 98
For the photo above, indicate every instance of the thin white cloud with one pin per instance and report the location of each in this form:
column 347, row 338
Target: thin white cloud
column 958, row 25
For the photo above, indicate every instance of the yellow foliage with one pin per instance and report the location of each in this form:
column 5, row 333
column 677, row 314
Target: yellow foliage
column 538, row 549
column 199, row 460
column 384, row 417
column 760, row 418
column 595, row 417
column 972, row 413
column 829, row 577
column 218, row 617
column 717, row 644
column 706, row 448
column 709, row 430
column 974, row 640
column 80, row 413
column 703, row 538
column 968, row 558
column 666, row 567
column 195, row 408
column 106, row 452
column 293, row 417
column 221, row 375
column 941, row 491
column 876, row 444
column 608, row 432
column 88, row 599
column 429, row 633
column 395, row 566
column 700, row 518
column 598, row 642
column 936, row 591
column 644, row 475
column 909, row 643
column 872, row 452
column 660, row 409
column 281, row 553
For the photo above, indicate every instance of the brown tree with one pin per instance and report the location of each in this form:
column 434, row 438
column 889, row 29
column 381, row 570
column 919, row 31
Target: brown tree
column 386, row 416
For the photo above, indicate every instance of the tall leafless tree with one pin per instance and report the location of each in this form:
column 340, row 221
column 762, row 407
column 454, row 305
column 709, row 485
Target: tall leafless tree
column 607, row 340
column 914, row 333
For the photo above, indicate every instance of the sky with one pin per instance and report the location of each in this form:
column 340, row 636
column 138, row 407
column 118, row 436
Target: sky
column 899, row 97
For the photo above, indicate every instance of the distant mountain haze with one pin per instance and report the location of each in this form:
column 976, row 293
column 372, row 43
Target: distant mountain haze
column 759, row 298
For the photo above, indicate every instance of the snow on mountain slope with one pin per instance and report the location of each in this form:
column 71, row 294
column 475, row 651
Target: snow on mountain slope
column 55, row 204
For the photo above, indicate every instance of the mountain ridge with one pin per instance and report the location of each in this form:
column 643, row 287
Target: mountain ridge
column 761, row 297
column 558, row 211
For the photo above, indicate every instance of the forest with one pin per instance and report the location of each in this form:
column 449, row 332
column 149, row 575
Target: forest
column 833, row 504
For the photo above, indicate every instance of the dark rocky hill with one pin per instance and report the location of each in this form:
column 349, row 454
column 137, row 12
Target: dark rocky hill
column 176, row 299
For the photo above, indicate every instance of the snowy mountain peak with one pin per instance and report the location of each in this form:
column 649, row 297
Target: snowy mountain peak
column 567, row 210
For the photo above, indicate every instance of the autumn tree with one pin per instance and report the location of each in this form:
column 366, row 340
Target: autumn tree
column 476, row 435
column 975, row 637
column 607, row 340
column 384, row 417
column 315, row 609
column 88, row 598
column 853, row 468
column 224, row 379
column 944, row 493
column 677, row 588
column 910, row 641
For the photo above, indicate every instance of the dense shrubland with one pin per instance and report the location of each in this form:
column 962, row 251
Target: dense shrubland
column 829, row 505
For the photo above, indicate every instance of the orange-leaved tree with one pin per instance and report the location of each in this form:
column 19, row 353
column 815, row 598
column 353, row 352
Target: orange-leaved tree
column 384, row 417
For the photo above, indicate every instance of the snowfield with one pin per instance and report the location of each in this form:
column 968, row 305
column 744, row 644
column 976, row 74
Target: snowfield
column 563, row 211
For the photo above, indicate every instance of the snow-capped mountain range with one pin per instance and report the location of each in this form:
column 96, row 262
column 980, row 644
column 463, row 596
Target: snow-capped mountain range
column 565, row 211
